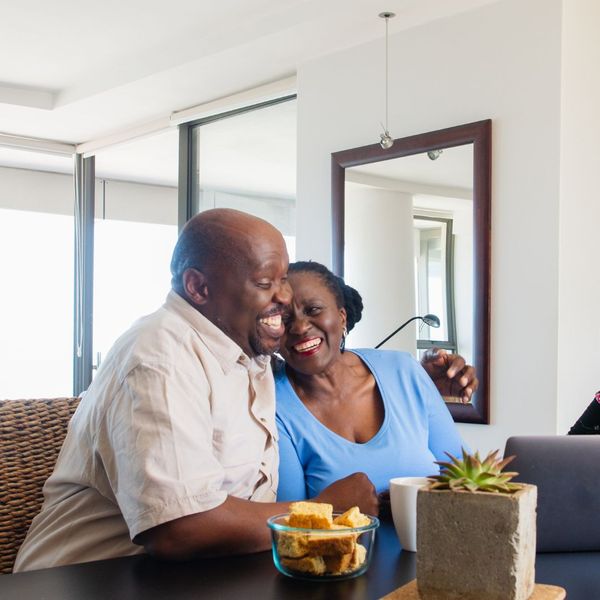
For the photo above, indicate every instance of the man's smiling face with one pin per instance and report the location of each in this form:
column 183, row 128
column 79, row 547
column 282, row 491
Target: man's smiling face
column 251, row 295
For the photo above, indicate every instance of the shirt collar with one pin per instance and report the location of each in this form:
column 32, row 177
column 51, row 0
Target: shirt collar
column 225, row 350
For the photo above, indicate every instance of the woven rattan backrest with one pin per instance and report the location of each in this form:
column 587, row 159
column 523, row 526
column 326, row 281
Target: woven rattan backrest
column 31, row 435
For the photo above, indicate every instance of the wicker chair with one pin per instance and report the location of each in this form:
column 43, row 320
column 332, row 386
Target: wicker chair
column 31, row 435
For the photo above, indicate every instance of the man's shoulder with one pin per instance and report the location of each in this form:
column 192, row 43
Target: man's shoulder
column 161, row 337
column 163, row 326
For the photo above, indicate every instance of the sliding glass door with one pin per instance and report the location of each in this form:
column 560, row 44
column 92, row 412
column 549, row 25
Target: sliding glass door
column 247, row 160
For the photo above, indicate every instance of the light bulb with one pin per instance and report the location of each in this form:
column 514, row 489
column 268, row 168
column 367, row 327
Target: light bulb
column 386, row 140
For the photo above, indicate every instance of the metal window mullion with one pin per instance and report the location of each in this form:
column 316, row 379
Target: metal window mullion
column 84, row 272
column 187, row 205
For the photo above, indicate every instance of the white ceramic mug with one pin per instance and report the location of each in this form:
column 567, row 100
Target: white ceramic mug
column 403, row 500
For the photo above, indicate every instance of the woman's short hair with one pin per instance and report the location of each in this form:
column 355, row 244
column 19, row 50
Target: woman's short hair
column 345, row 296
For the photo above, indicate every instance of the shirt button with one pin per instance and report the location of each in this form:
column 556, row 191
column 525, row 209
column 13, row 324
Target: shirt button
column 263, row 463
column 263, row 420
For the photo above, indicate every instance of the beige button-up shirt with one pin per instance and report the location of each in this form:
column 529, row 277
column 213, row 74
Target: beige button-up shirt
column 176, row 419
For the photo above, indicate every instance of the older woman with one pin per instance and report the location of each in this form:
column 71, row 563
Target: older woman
column 341, row 411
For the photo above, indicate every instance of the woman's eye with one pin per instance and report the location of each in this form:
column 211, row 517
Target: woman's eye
column 311, row 311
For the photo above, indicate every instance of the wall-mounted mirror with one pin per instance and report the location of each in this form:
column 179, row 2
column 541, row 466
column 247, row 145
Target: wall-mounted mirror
column 411, row 231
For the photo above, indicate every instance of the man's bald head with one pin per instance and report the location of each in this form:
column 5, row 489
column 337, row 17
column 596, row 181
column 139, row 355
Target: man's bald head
column 215, row 239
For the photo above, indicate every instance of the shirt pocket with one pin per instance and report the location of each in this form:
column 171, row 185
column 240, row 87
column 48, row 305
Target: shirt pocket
column 241, row 462
column 232, row 450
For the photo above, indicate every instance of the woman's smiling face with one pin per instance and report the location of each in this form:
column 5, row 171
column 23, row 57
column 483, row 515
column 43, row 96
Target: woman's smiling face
column 314, row 327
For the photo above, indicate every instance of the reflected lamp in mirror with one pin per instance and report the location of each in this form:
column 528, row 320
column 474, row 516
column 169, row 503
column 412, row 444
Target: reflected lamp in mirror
column 429, row 320
column 411, row 232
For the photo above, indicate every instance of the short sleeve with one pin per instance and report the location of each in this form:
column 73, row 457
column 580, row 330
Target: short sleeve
column 156, row 446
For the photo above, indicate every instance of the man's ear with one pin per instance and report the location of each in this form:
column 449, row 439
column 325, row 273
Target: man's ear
column 195, row 286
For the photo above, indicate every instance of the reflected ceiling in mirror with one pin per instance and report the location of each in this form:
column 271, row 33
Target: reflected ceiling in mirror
column 411, row 233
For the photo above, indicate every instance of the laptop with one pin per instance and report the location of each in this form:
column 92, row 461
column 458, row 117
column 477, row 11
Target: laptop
column 566, row 470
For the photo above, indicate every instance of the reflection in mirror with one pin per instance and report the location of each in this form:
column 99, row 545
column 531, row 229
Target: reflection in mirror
column 411, row 234
column 434, row 270
column 428, row 244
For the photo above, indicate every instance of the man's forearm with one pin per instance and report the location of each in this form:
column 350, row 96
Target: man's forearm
column 235, row 527
column 239, row 526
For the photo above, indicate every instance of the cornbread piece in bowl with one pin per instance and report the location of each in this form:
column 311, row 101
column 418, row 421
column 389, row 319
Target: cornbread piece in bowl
column 339, row 547
column 311, row 515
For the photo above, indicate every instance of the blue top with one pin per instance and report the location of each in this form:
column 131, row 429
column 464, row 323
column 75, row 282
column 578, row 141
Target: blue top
column 417, row 428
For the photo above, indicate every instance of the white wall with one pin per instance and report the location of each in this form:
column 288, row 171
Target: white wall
column 500, row 62
column 579, row 302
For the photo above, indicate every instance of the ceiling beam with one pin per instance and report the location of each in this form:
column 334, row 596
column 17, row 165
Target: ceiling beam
column 126, row 135
column 25, row 96
column 256, row 95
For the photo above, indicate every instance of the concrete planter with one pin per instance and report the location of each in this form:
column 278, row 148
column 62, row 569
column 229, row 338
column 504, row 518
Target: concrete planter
column 476, row 546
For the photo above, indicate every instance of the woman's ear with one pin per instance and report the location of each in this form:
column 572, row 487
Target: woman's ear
column 195, row 285
column 344, row 318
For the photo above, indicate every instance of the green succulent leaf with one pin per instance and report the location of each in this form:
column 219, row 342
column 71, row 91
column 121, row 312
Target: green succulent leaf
column 473, row 474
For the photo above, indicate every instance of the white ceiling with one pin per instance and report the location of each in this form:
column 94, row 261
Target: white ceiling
column 76, row 72
column 101, row 67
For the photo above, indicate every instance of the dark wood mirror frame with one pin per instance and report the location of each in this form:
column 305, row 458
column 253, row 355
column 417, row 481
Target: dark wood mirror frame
column 480, row 135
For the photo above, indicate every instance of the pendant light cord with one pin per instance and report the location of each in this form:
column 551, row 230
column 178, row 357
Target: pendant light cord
column 387, row 20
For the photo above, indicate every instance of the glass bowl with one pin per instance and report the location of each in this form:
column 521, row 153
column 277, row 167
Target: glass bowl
column 321, row 554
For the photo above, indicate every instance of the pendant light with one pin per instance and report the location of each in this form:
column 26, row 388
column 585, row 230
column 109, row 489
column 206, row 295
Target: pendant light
column 386, row 139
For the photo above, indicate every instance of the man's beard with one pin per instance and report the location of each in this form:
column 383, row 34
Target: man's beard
column 259, row 348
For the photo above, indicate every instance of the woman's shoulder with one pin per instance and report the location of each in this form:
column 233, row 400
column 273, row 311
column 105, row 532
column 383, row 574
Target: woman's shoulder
column 386, row 357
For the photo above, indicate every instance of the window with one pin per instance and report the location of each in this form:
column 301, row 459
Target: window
column 135, row 231
column 36, row 304
column 244, row 160
column 247, row 161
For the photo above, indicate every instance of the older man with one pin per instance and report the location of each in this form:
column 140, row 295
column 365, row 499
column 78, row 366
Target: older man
column 173, row 448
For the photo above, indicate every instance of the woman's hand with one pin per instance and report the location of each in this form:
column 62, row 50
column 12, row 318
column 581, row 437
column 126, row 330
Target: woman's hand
column 354, row 490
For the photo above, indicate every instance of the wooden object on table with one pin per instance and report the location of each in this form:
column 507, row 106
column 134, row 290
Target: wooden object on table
column 541, row 591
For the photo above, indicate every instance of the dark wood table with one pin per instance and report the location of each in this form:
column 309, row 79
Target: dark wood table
column 255, row 577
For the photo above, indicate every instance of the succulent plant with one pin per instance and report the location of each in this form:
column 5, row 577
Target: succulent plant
column 475, row 475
